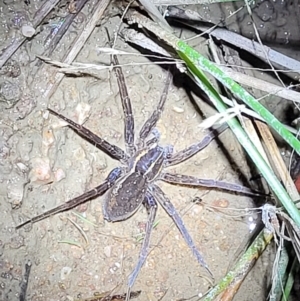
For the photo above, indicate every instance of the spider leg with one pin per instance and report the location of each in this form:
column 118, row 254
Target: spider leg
column 150, row 123
column 170, row 209
column 193, row 149
column 97, row 191
column 154, row 140
column 127, row 109
column 151, row 206
column 196, row 182
column 112, row 150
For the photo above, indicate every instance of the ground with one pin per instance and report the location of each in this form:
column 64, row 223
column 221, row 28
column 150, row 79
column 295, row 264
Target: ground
column 45, row 164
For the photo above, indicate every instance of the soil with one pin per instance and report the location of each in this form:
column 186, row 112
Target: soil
column 45, row 164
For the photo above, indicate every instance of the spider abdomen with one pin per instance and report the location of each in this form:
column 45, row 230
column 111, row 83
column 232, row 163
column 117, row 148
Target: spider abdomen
column 125, row 197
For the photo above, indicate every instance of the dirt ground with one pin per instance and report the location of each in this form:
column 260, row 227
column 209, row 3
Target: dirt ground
column 45, row 164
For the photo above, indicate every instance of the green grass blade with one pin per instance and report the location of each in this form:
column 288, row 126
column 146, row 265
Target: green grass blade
column 234, row 278
column 191, row 56
column 248, row 145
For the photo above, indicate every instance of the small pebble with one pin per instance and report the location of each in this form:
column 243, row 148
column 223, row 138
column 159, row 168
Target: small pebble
column 59, row 174
column 22, row 167
column 82, row 112
column 27, row 30
column 178, row 109
column 25, row 106
column 11, row 69
column 15, row 192
column 107, row 251
column 79, row 154
column 46, row 114
column 48, row 138
column 9, row 92
column 16, row 242
column 221, row 203
column 65, row 271
column 41, row 171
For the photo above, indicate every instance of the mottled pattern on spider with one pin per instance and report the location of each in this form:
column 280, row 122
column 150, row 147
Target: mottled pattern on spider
column 143, row 164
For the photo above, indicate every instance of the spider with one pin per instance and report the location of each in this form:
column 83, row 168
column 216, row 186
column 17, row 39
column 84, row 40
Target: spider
column 143, row 163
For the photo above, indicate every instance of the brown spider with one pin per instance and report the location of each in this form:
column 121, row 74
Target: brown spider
column 127, row 187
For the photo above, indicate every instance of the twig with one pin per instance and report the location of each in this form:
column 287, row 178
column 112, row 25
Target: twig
column 80, row 230
column 262, row 85
column 187, row 2
column 19, row 40
column 156, row 15
column 263, row 49
column 69, row 242
column 132, row 36
column 107, row 297
column 119, row 25
column 77, row 45
column 63, row 28
column 278, row 162
column 231, row 282
column 253, row 47
column 91, row 69
column 24, row 283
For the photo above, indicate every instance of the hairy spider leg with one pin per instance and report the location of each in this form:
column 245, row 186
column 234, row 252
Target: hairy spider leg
column 127, row 109
column 114, row 175
column 151, row 122
column 196, row 182
column 178, row 157
column 163, row 200
column 151, row 206
column 112, row 150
